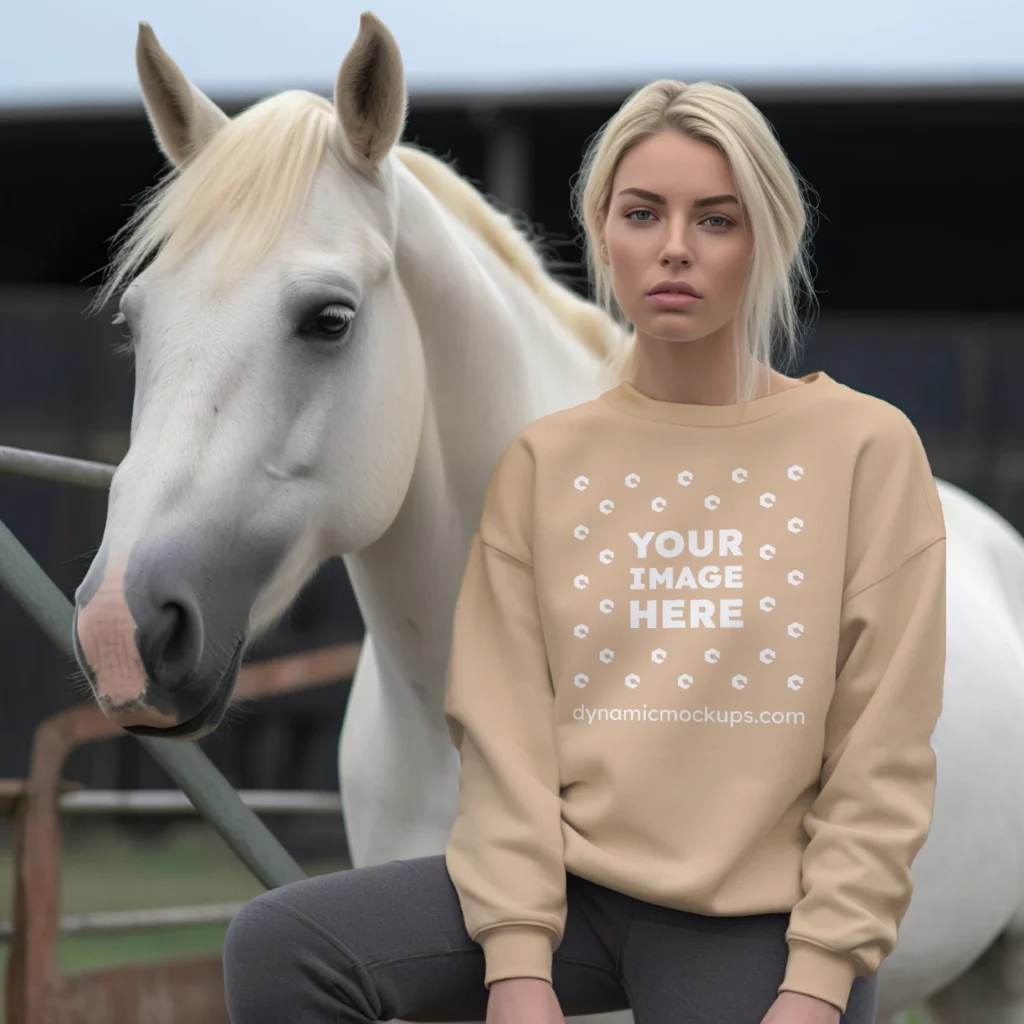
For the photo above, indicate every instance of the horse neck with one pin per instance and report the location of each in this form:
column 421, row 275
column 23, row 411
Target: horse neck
column 496, row 358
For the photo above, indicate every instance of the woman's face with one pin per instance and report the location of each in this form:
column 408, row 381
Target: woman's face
column 674, row 219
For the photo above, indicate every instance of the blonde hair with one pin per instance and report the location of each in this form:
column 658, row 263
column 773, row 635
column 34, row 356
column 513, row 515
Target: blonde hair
column 768, row 323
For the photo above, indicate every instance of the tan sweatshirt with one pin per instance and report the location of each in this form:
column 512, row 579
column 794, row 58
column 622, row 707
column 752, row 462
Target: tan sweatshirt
column 697, row 657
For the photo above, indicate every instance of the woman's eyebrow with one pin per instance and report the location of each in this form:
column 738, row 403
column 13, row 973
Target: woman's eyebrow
column 654, row 197
column 715, row 200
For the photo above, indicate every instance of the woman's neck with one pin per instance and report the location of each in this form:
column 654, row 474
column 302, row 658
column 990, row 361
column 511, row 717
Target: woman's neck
column 700, row 372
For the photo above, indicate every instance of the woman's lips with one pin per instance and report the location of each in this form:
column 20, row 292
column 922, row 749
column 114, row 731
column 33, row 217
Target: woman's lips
column 671, row 300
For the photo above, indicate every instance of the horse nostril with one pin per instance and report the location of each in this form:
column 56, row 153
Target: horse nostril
column 175, row 636
column 171, row 643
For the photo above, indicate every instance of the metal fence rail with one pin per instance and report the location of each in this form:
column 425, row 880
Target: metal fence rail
column 211, row 794
column 117, row 921
column 156, row 802
column 44, row 466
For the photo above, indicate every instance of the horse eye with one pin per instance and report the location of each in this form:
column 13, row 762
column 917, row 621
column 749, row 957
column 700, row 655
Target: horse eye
column 331, row 322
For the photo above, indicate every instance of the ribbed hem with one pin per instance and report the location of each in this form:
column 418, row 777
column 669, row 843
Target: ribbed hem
column 517, row 951
column 819, row 972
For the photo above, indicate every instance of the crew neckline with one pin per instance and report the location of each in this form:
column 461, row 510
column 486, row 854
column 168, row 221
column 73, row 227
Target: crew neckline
column 627, row 398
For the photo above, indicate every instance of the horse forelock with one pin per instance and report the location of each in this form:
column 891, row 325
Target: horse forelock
column 251, row 179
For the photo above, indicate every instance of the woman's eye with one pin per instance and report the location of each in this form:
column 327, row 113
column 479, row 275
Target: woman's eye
column 725, row 222
column 331, row 322
column 632, row 215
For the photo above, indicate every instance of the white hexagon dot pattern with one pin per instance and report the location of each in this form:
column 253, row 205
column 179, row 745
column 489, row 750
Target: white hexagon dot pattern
column 712, row 502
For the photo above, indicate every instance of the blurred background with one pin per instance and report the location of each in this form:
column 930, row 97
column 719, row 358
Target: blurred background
column 906, row 118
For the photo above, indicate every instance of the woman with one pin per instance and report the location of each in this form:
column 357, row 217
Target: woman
column 696, row 661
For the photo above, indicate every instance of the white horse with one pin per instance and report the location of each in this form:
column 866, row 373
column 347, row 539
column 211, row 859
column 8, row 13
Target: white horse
column 962, row 940
column 378, row 335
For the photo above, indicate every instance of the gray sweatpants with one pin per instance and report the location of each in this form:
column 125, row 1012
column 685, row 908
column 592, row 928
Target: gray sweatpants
column 388, row 941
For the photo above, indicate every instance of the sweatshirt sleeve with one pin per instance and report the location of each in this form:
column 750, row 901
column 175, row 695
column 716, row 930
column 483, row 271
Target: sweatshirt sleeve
column 874, row 807
column 504, row 853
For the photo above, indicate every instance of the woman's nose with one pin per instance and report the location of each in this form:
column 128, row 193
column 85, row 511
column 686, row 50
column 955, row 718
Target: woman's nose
column 676, row 249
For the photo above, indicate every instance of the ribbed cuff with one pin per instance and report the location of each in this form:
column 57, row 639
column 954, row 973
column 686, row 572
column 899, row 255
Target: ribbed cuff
column 819, row 972
column 517, row 951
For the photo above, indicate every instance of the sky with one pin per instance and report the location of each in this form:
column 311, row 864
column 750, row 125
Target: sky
column 73, row 52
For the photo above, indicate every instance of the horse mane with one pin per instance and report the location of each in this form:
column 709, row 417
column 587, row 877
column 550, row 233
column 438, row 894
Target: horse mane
column 508, row 241
column 256, row 172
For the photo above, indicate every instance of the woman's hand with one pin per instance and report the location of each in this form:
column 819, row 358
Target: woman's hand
column 523, row 1001
column 796, row 1008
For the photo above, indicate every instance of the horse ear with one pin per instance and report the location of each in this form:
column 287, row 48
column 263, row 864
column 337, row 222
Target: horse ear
column 369, row 95
column 182, row 117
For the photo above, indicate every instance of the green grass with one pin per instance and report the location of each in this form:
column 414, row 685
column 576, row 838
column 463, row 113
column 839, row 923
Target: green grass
column 88, row 951
column 104, row 871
